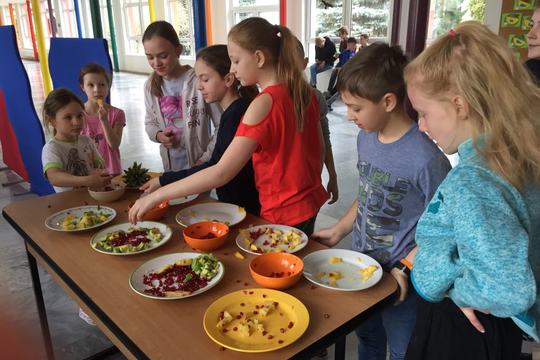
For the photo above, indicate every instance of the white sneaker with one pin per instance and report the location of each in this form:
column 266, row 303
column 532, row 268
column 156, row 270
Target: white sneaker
column 86, row 318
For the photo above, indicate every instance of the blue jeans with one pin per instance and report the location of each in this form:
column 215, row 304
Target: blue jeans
column 314, row 70
column 393, row 323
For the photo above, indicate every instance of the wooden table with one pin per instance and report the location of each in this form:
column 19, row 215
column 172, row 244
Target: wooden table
column 147, row 328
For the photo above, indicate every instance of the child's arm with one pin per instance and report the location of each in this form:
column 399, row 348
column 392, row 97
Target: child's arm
column 60, row 178
column 151, row 124
column 331, row 236
column 233, row 160
column 215, row 114
column 113, row 133
column 332, row 186
column 487, row 267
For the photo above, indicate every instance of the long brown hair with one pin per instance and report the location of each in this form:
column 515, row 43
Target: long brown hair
column 279, row 45
column 165, row 31
column 56, row 100
column 217, row 57
column 504, row 102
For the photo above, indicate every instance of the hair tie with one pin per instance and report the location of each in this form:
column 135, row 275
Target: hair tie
column 452, row 33
column 278, row 30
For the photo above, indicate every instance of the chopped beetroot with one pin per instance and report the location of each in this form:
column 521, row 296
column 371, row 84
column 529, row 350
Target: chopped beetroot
column 291, row 324
column 174, row 279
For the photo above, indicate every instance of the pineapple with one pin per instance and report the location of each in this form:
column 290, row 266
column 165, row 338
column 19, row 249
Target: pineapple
column 135, row 176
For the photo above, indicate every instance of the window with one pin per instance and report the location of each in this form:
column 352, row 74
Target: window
column 180, row 15
column 371, row 17
column 445, row 14
column 326, row 17
column 6, row 19
column 137, row 18
column 23, row 26
column 105, row 24
column 45, row 22
column 243, row 9
column 67, row 19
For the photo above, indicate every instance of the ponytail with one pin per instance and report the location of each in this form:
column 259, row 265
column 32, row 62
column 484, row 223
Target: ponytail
column 289, row 71
column 279, row 44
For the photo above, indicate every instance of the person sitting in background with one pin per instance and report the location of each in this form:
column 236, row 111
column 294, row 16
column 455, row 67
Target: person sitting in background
column 364, row 41
column 331, row 95
column 343, row 33
column 324, row 58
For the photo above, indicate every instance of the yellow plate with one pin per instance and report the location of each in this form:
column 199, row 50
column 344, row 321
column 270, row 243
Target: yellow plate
column 119, row 179
column 283, row 326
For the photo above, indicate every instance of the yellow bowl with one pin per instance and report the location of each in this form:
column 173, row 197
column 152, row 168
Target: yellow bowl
column 276, row 270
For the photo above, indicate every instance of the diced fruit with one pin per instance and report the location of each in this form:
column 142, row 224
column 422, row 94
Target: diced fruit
column 239, row 255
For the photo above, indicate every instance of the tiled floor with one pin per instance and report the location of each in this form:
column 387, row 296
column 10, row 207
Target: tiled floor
column 72, row 338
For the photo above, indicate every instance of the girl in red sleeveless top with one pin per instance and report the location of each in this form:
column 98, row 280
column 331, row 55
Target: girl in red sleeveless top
column 280, row 130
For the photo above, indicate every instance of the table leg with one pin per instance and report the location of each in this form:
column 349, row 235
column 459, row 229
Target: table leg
column 339, row 350
column 34, row 272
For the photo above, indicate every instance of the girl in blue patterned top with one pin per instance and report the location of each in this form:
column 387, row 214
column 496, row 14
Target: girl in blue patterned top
column 479, row 239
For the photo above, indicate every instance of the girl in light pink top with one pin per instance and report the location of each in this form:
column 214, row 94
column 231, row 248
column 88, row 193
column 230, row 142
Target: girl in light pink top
column 104, row 123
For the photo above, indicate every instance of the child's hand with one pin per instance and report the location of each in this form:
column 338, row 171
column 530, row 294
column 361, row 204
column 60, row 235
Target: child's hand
column 102, row 113
column 471, row 316
column 151, row 185
column 166, row 138
column 403, row 283
column 328, row 237
column 141, row 207
column 332, row 189
column 99, row 178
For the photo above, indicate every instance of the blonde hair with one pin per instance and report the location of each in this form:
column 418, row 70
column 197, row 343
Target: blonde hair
column 280, row 46
column 504, row 102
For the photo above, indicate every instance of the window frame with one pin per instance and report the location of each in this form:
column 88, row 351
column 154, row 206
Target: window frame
column 347, row 21
column 191, row 37
column 256, row 9
column 140, row 4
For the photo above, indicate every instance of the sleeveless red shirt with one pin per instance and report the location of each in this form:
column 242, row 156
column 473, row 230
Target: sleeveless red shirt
column 287, row 163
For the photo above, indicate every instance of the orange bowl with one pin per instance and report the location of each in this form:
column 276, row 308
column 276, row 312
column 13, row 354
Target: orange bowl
column 206, row 235
column 276, row 270
column 155, row 213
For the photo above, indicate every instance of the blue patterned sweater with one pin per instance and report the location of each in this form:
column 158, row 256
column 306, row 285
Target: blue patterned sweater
column 479, row 243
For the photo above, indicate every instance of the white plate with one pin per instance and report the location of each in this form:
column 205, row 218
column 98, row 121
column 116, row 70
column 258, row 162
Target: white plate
column 183, row 200
column 319, row 262
column 136, row 278
column 164, row 229
column 259, row 242
column 54, row 222
column 214, row 211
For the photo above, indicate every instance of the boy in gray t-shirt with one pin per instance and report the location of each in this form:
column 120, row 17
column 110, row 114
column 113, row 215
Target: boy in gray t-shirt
column 399, row 168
